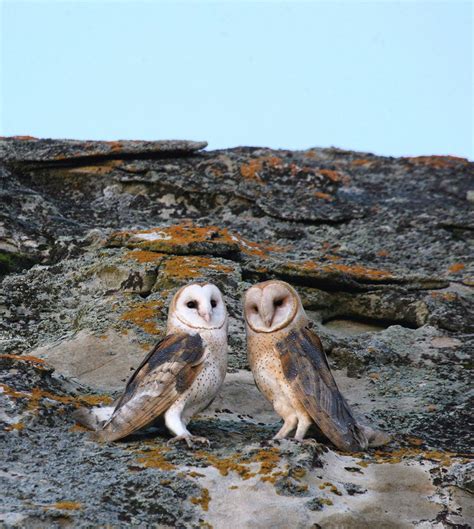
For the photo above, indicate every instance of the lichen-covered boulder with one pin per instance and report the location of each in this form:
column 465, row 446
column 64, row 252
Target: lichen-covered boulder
column 95, row 238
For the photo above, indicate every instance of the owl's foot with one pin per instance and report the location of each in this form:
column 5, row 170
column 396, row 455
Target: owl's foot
column 190, row 440
column 308, row 442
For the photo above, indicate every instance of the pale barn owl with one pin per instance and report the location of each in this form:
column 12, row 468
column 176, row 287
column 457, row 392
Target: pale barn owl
column 292, row 371
column 179, row 377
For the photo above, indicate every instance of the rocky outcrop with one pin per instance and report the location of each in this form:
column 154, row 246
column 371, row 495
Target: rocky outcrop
column 95, row 237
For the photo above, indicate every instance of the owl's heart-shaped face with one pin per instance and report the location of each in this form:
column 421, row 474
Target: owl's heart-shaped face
column 200, row 306
column 270, row 306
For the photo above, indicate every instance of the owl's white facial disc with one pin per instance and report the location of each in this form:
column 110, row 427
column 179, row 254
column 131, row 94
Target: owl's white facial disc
column 270, row 306
column 200, row 306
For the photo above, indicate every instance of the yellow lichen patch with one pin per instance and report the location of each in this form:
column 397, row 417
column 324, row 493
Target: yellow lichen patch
column 353, row 271
column 194, row 474
column 268, row 460
column 444, row 459
column 37, row 395
column 298, row 473
column 191, row 266
column 144, row 256
column 323, row 196
column 226, row 465
column 144, row 315
column 95, row 400
column 10, row 392
column 456, row 267
column 438, row 162
column 383, row 253
column 326, row 501
column 155, row 458
column 15, row 426
column 65, row 506
column 203, row 500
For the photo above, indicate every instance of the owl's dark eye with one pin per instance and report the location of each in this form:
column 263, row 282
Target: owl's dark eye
column 213, row 303
column 278, row 303
column 255, row 308
column 191, row 304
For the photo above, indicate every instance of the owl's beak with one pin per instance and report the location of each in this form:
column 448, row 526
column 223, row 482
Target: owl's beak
column 205, row 315
column 267, row 314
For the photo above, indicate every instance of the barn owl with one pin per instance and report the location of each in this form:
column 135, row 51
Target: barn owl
column 179, row 377
column 292, row 371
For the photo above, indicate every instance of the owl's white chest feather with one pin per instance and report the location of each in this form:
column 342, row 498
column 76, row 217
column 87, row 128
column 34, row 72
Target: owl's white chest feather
column 209, row 380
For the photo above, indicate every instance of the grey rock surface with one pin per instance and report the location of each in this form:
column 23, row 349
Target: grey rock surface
column 95, row 237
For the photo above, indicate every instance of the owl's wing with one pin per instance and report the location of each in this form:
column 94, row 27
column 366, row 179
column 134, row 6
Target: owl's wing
column 167, row 372
column 306, row 368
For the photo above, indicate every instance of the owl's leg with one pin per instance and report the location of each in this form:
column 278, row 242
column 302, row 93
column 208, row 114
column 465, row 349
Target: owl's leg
column 288, row 426
column 304, row 422
column 287, row 413
column 175, row 424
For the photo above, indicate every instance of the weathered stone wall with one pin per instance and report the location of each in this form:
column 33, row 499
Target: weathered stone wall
column 95, row 237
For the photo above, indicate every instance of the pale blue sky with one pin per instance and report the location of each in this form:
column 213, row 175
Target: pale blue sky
column 393, row 78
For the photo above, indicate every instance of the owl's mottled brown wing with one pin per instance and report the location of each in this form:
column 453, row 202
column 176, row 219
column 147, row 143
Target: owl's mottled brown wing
column 167, row 372
column 306, row 368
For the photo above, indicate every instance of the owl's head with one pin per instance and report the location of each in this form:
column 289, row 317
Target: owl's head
column 271, row 306
column 198, row 306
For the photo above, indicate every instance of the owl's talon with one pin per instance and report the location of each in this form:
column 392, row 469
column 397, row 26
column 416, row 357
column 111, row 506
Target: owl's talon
column 308, row 442
column 190, row 440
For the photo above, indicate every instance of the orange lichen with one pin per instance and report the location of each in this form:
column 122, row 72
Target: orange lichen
column 180, row 239
column 334, row 176
column 21, row 138
column 78, row 428
column 191, row 266
column 456, row 267
column 203, row 500
column 143, row 315
column 10, row 392
column 23, row 358
column 100, row 169
column 438, row 162
column 252, row 169
column 415, row 441
column 144, row 256
column 354, row 271
column 323, row 196
column 155, row 458
column 65, row 505
column 383, row 253
column 445, row 296
column 14, row 426
column 361, row 161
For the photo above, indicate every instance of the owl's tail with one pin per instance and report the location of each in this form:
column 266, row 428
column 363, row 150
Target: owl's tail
column 93, row 418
